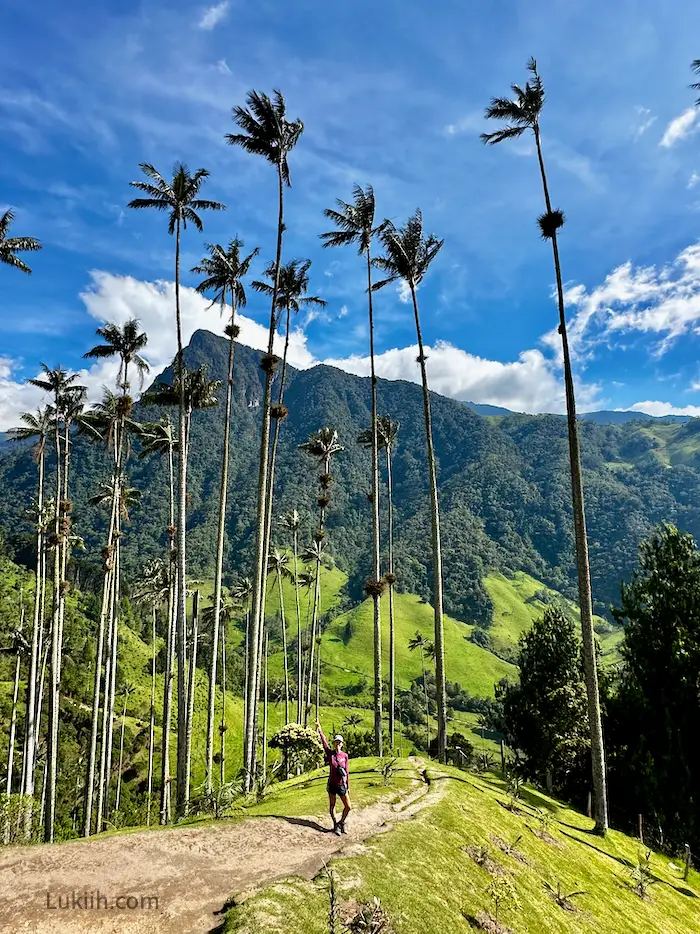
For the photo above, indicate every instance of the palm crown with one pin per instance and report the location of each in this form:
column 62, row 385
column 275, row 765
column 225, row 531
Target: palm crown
column 266, row 131
column 63, row 388
column 224, row 271
column 696, row 86
column 355, row 222
column 179, row 196
column 322, row 444
column 520, row 114
column 107, row 415
column 293, row 283
column 407, row 252
column 387, row 431
column 158, row 437
column 124, row 342
column 9, row 246
column 199, row 391
column 35, row 425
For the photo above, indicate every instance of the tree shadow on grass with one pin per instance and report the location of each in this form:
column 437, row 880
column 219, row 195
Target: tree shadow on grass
column 301, row 822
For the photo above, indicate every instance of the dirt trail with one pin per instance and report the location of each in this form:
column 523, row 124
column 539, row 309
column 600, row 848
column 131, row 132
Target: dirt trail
column 191, row 871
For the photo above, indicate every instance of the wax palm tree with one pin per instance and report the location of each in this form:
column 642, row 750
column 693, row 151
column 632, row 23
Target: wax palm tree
column 160, row 438
column 66, row 393
column 278, row 564
column 111, row 421
column 124, row 342
column 224, row 271
column 10, row 246
column 292, row 522
column 518, row 116
column 355, row 227
column 322, row 445
column 408, row 254
column 265, row 131
column 180, row 198
column 127, row 691
column 115, row 494
column 37, row 427
column 199, row 393
column 426, row 648
column 153, row 587
column 387, row 431
column 291, row 298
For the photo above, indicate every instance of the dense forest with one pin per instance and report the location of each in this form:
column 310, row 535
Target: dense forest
column 504, row 486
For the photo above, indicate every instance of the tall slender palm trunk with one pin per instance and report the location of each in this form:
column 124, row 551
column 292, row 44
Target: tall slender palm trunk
column 110, row 682
column 581, row 538
column 427, row 701
column 181, row 614
column 99, row 648
column 165, row 802
column 152, row 716
column 436, row 547
column 54, row 668
column 265, row 707
column 121, row 757
column 29, row 773
column 313, row 640
column 284, row 648
column 260, row 556
column 300, row 676
column 222, row 726
column 273, row 454
column 376, row 544
column 11, row 746
column 192, row 682
column 165, row 776
column 392, row 626
column 223, row 493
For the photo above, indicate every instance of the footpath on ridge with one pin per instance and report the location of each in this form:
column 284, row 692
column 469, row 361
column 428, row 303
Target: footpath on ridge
column 178, row 879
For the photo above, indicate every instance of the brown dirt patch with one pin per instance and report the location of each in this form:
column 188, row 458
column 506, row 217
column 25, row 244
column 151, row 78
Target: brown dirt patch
column 189, row 873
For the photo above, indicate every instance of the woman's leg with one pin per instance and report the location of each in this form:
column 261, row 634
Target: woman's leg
column 346, row 808
column 331, row 802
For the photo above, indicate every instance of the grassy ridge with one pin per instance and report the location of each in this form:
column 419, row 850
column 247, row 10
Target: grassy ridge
column 428, row 883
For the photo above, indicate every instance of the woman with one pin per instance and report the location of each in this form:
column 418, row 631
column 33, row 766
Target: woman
column 338, row 778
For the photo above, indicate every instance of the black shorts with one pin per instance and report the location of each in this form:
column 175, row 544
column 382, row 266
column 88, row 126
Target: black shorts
column 338, row 790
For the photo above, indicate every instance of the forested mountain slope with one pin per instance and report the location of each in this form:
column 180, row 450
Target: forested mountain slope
column 504, row 486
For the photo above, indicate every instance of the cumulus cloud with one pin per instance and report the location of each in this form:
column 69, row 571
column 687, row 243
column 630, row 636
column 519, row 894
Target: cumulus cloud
column 403, row 290
column 663, row 408
column 679, row 128
column 213, row 15
column 527, row 384
column 661, row 300
column 119, row 298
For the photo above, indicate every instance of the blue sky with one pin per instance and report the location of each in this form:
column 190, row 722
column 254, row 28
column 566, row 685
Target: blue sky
column 391, row 93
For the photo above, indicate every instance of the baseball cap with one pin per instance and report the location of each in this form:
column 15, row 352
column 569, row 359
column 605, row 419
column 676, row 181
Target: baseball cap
column 337, row 738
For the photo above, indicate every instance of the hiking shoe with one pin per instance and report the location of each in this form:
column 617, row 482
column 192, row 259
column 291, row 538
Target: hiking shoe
column 337, row 830
column 343, row 828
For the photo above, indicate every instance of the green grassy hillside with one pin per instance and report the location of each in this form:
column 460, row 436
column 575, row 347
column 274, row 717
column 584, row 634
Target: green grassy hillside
column 425, row 875
column 517, row 604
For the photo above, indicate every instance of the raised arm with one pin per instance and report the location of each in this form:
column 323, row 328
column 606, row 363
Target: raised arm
column 323, row 739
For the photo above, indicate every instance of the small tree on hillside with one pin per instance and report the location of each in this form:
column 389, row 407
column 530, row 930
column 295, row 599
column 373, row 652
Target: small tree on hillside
column 545, row 716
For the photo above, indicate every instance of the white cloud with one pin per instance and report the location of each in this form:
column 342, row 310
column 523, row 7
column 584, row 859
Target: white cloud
column 213, row 15
column 525, row 385
column 119, row 298
column 222, row 66
column 403, row 290
column 662, row 300
column 645, row 121
column 471, row 122
column 679, row 128
column 343, row 311
column 663, row 408
column 693, row 180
